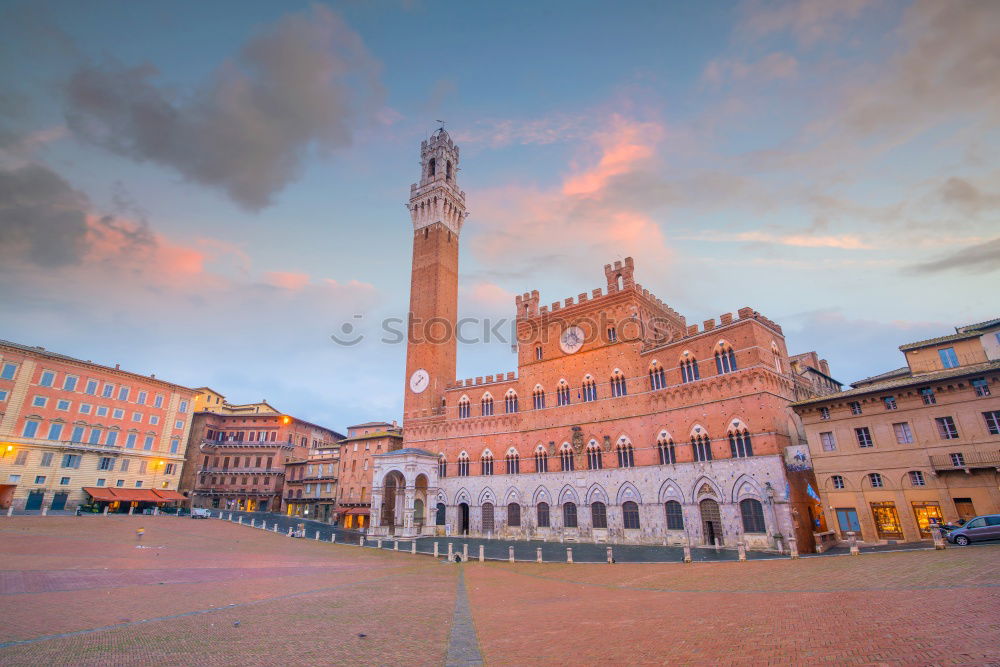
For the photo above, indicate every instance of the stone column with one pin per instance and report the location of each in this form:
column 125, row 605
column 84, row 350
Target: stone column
column 409, row 528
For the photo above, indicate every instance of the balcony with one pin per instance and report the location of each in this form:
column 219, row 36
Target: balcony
column 970, row 460
column 240, row 471
column 247, row 444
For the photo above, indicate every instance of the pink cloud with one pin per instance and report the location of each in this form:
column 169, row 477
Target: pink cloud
column 287, row 279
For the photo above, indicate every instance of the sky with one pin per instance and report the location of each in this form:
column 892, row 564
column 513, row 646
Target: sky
column 211, row 191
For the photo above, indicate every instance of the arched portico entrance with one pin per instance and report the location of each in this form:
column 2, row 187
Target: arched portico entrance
column 393, row 488
column 711, row 521
column 463, row 518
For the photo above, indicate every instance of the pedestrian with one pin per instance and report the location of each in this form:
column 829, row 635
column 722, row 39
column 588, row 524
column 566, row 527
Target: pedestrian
column 139, row 532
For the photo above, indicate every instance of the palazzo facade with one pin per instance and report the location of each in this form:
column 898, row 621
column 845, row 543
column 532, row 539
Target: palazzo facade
column 623, row 422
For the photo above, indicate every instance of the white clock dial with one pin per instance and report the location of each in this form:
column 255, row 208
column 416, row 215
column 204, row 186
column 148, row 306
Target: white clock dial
column 419, row 381
column 571, row 340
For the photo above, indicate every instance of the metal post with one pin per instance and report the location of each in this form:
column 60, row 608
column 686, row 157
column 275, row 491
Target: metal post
column 538, row 555
column 510, row 553
column 569, row 554
column 852, row 541
column 741, row 549
column 611, row 558
column 793, row 548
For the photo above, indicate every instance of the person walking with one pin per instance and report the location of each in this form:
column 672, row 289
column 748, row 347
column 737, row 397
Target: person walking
column 139, row 532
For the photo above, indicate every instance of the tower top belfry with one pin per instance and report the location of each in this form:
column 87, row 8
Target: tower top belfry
column 437, row 197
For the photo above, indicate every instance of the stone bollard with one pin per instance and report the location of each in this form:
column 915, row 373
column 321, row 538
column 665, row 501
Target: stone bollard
column 10, row 511
column 611, row 556
column 230, row 516
column 105, row 510
column 939, row 541
column 333, row 538
column 253, row 522
column 45, row 511
column 687, row 550
column 741, row 549
column 130, row 509
column 538, row 555
column 718, row 544
column 510, row 554
column 465, row 552
column 413, row 547
column 289, row 531
column 482, row 555
column 852, row 542
column 317, row 535
column 395, row 545
column 361, row 541
column 378, row 544
column 793, row 548
column 156, row 511
column 451, row 554
column 240, row 521
column 275, row 526
column 569, row 554
column 436, row 550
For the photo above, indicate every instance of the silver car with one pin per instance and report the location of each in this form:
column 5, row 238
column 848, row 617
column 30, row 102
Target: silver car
column 981, row 528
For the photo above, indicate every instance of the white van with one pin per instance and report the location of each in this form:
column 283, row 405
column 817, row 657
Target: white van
column 200, row 513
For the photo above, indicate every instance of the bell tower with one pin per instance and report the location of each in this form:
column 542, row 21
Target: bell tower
column 437, row 209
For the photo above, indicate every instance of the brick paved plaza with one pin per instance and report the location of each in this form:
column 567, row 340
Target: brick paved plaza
column 78, row 591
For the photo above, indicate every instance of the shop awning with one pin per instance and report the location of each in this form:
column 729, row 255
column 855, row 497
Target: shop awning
column 356, row 510
column 168, row 495
column 111, row 494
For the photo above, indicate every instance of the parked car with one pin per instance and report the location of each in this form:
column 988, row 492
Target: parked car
column 980, row 528
column 200, row 513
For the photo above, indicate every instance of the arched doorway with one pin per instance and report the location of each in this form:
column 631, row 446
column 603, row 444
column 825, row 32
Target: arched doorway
column 711, row 521
column 463, row 519
column 439, row 518
column 487, row 517
column 392, row 490
column 418, row 514
column 420, row 501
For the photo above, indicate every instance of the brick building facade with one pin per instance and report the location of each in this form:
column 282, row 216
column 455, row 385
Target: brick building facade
column 622, row 422
column 912, row 445
column 356, row 469
column 237, row 461
column 74, row 432
column 311, row 485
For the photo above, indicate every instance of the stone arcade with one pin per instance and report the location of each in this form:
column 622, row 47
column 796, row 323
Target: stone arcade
column 622, row 423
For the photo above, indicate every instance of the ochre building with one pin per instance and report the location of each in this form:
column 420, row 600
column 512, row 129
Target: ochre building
column 913, row 445
column 73, row 432
column 311, row 485
column 623, row 422
column 354, row 499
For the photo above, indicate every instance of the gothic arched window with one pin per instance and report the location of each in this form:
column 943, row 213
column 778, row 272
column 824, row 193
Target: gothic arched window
column 566, row 458
column 594, row 459
column 657, row 377
column 599, row 514
column 464, row 408
column 675, row 515
column 543, row 515
column 463, row 465
column 753, row 516
column 487, row 463
column 689, row 370
column 630, row 515
column 510, row 402
column 725, row 359
column 702, row 447
column 569, row 515
column 486, row 406
column 513, row 463
column 668, row 453
column 626, row 455
column 442, row 467
column 589, row 389
column 562, row 393
column 513, row 515
column 447, row 170
column 618, row 385
column 541, row 460
column 431, row 167
column 739, row 444
column 538, row 398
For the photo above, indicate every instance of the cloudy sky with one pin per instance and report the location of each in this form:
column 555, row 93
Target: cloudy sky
column 208, row 191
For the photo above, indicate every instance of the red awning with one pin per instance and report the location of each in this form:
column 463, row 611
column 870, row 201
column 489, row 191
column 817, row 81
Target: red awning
column 111, row 494
column 357, row 510
column 100, row 493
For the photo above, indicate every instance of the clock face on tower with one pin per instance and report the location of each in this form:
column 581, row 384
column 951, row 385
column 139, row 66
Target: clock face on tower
column 419, row 381
column 571, row 340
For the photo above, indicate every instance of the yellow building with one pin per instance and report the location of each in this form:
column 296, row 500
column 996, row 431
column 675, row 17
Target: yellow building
column 209, row 400
column 915, row 445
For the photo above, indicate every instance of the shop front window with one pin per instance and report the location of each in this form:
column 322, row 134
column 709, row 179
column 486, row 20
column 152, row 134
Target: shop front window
column 927, row 513
column 887, row 521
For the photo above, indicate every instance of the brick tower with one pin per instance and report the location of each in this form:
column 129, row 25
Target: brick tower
column 437, row 208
